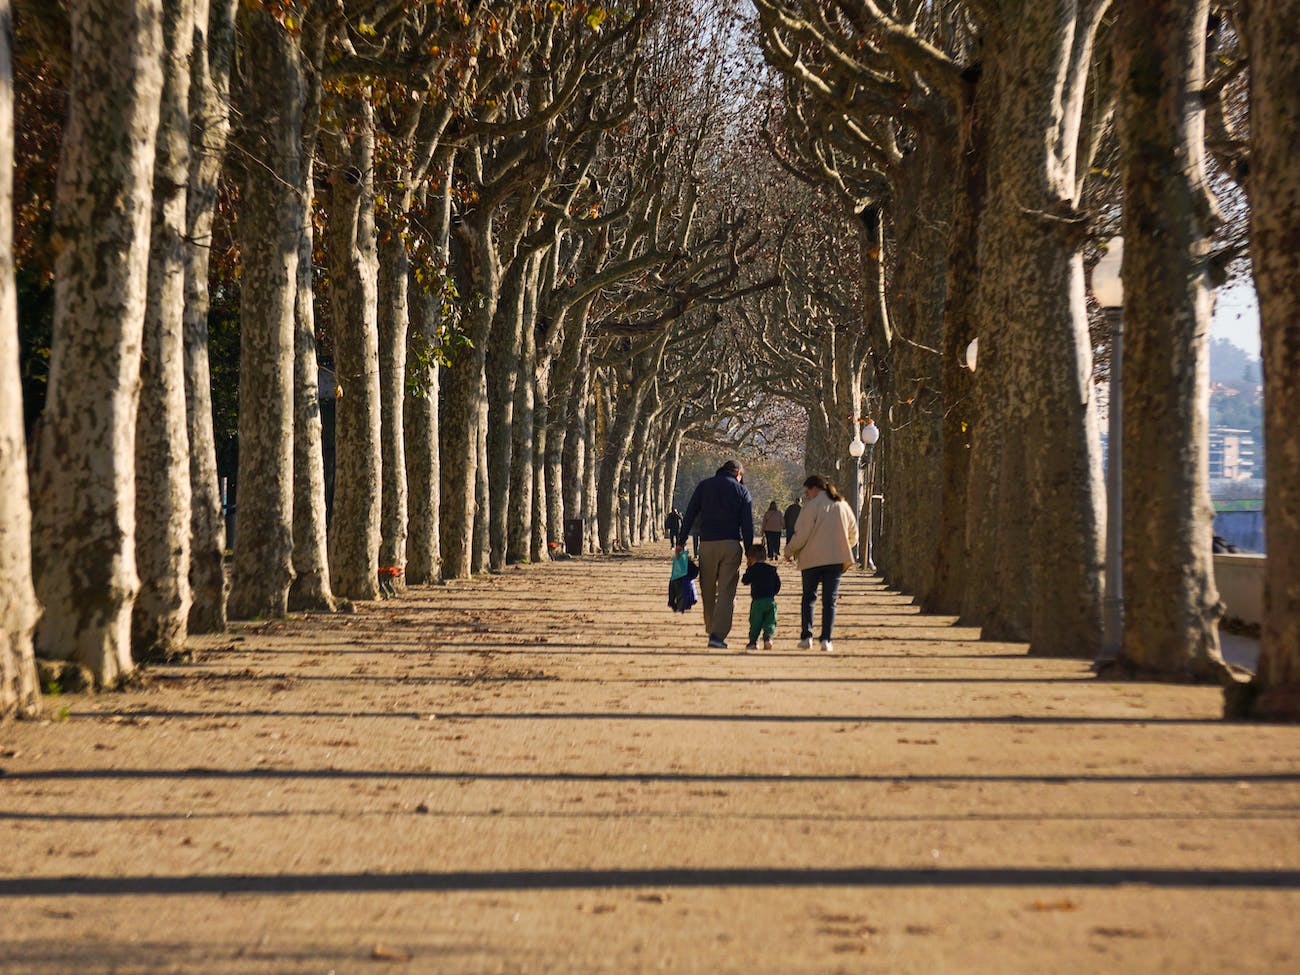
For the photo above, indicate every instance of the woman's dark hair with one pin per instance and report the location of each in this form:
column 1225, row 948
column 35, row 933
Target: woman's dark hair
column 821, row 484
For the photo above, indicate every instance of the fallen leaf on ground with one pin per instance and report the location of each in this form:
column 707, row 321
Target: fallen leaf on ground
column 1054, row 906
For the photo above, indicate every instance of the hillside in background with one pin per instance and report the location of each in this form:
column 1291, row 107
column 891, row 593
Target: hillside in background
column 1233, row 366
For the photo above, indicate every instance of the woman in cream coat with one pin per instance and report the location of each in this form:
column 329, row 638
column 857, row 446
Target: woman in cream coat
column 823, row 543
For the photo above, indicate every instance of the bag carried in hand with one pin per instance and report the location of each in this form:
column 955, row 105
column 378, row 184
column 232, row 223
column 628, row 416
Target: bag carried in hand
column 682, row 593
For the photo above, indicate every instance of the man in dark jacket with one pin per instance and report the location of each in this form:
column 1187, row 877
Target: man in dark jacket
column 673, row 525
column 791, row 516
column 725, row 512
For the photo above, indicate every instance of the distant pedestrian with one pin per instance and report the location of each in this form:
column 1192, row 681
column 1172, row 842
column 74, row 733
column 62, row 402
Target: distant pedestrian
column 791, row 518
column 823, row 543
column 724, row 512
column 773, row 522
column 673, row 525
column 764, row 583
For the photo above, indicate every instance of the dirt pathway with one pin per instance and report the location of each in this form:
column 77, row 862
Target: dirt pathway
column 547, row 771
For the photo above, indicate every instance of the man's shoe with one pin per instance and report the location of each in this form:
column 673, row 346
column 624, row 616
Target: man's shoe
column 826, row 647
column 717, row 643
column 751, row 645
column 805, row 643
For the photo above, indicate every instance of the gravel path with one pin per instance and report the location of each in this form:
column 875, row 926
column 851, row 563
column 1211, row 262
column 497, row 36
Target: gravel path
column 547, row 771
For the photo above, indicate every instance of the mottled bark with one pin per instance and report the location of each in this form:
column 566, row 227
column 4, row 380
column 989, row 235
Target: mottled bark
column 478, row 556
column 477, row 274
column 83, row 538
column 1275, row 253
column 913, row 419
column 350, row 242
column 519, row 513
column 502, row 377
column 548, row 453
column 160, row 615
column 955, row 562
column 214, row 42
column 311, row 588
column 19, row 693
column 270, row 221
column 589, row 464
column 1172, row 607
column 423, row 459
column 394, row 323
column 1032, row 309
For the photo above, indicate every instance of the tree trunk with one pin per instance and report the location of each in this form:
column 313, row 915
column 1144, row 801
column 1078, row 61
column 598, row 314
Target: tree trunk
column 923, row 225
column 610, row 497
column 1275, row 252
column 350, row 241
column 394, row 322
column 501, row 379
column 1172, row 606
column 214, row 44
column 1032, row 307
column 519, row 514
column 83, row 537
column 270, row 222
column 588, row 464
column 548, row 450
column 478, row 274
column 162, row 501
column 311, row 589
column 423, row 467
column 953, row 562
column 19, row 692
column 478, row 557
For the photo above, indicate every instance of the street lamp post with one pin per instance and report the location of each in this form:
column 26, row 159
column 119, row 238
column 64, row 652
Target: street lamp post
column 864, row 442
column 1108, row 289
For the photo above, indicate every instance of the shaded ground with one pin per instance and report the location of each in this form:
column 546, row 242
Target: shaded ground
column 548, row 772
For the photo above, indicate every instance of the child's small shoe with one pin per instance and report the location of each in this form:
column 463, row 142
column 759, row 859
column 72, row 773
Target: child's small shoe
column 767, row 643
column 751, row 645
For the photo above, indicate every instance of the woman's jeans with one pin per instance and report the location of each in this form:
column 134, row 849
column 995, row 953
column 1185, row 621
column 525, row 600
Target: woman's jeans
column 773, row 544
column 828, row 577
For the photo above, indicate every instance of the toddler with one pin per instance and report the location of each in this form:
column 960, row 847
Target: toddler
column 764, row 583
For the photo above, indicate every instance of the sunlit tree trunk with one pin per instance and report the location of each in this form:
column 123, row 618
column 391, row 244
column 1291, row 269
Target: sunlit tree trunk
column 1172, row 607
column 162, row 483
column 83, row 538
column 479, row 556
column 214, row 45
column 270, row 222
column 311, row 589
column 350, row 241
column 501, row 380
column 478, row 274
column 1275, row 233
column 1032, row 308
column 519, row 513
column 423, row 462
column 19, row 693
column 420, row 415
column 394, row 324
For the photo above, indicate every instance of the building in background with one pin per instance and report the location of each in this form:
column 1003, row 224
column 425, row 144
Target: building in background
column 1232, row 454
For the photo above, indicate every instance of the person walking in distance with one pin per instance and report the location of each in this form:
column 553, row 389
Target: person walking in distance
column 823, row 543
column 724, row 511
column 791, row 519
column 772, row 525
column 673, row 525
